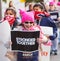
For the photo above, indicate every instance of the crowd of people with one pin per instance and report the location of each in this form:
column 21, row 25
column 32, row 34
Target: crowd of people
column 37, row 15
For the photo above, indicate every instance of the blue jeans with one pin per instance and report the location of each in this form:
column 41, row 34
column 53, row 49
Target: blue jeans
column 33, row 58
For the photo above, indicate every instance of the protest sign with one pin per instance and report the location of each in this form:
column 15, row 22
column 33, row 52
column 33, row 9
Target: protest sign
column 45, row 54
column 54, row 15
column 47, row 30
column 3, row 50
column 4, row 31
column 4, row 59
column 24, row 40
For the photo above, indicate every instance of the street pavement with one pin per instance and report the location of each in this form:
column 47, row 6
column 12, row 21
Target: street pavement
column 56, row 57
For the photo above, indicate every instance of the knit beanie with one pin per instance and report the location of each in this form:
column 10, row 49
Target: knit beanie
column 27, row 16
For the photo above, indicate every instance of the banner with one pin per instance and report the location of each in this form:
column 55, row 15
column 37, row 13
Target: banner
column 24, row 41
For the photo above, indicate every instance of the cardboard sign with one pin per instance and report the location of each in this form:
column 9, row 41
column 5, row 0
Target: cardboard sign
column 3, row 49
column 25, row 41
column 45, row 53
column 47, row 30
column 4, row 59
column 54, row 15
column 4, row 31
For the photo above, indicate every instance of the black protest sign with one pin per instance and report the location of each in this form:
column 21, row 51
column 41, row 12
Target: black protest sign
column 54, row 15
column 25, row 41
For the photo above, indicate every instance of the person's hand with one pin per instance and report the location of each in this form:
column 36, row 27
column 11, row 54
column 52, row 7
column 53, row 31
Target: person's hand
column 10, row 55
column 9, row 42
column 43, row 40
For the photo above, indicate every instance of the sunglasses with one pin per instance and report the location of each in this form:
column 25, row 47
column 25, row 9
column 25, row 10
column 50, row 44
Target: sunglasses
column 28, row 22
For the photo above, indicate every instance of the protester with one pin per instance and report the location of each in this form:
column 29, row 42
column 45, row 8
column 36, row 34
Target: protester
column 28, row 24
column 39, row 12
column 55, row 16
column 52, row 6
column 45, row 20
column 10, row 16
column 58, row 8
column 11, row 4
column 58, row 23
column 13, row 20
column 30, row 8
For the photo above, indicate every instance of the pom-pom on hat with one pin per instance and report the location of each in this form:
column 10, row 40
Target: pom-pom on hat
column 51, row 3
column 27, row 16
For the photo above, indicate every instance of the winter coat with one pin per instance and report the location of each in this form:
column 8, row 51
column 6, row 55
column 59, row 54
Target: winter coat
column 47, row 21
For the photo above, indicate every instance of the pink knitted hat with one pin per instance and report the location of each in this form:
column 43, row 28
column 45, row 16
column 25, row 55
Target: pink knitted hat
column 51, row 3
column 27, row 16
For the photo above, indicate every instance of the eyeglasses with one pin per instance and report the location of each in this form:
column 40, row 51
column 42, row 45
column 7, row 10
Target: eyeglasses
column 28, row 22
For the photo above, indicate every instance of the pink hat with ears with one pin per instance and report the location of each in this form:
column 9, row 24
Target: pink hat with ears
column 51, row 3
column 27, row 16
